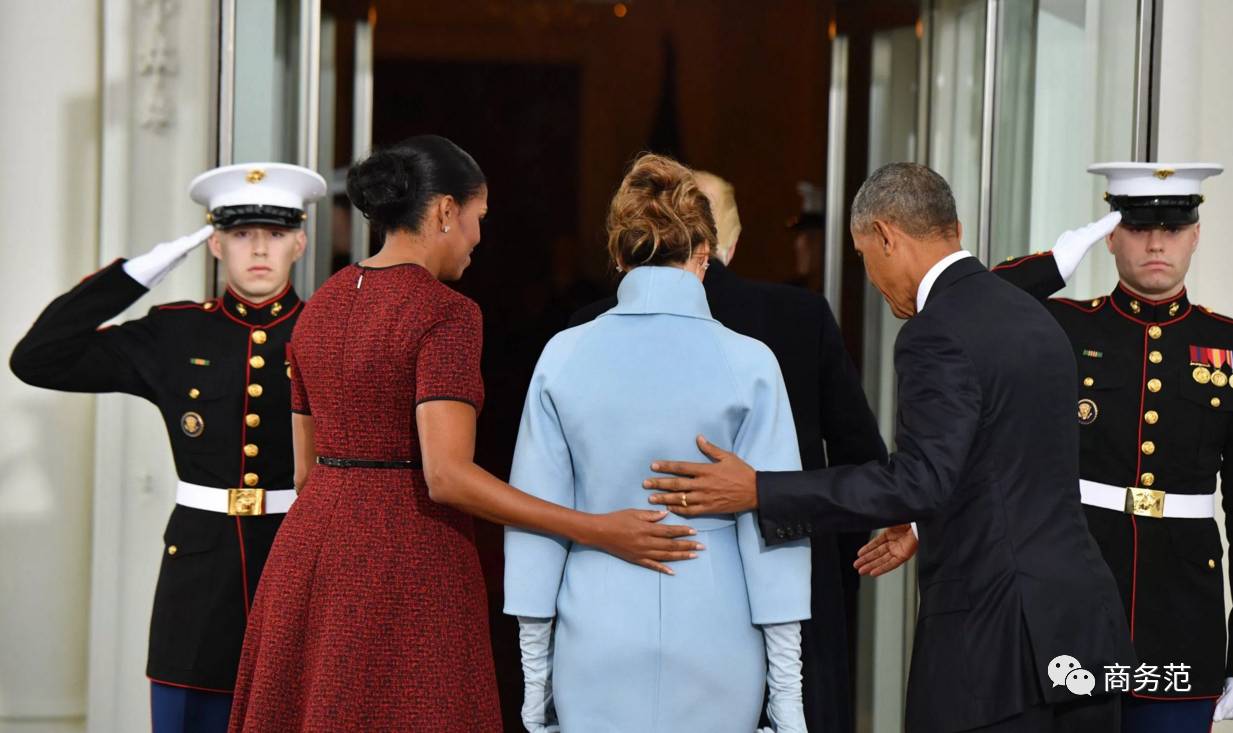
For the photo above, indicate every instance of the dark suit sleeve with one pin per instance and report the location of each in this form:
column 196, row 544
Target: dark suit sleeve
column 848, row 425
column 1035, row 274
column 66, row 350
column 939, row 412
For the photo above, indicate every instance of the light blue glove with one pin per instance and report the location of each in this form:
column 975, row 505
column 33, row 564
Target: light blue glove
column 784, row 706
column 535, row 639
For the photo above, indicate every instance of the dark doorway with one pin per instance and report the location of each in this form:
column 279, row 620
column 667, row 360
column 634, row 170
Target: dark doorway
column 520, row 122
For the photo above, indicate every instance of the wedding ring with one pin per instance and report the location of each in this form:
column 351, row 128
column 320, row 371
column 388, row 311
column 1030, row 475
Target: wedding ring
column 684, row 501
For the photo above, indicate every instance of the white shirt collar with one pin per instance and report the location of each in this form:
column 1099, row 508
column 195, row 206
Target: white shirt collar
column 926, row 283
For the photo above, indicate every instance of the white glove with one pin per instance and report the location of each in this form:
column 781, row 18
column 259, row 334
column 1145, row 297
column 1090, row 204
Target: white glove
column 1224, row 706
column 150, row 268
column 1072, row 246
column 784, row 706
column 535, row 639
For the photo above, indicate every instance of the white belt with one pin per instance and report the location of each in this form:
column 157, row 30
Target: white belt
column 1147, row 502
column 236, row 502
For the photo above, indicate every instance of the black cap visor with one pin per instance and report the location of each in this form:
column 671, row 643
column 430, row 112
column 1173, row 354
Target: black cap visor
column 1146, row 212
column 230, row 217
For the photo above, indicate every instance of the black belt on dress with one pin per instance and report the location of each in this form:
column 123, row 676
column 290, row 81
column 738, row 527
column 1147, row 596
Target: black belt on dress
column 365, row 463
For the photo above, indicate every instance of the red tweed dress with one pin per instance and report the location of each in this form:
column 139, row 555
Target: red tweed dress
column 371, row 613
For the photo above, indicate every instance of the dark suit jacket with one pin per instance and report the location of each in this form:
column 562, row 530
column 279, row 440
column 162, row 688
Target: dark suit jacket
column 988, row 464
column 834, row 426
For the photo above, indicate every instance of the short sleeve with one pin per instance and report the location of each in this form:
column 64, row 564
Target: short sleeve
column 299, row 397
column 447, row 364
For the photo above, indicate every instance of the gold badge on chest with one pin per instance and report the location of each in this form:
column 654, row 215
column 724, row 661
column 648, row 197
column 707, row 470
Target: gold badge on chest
column 192, row 424
column 1087, row 411
column 1201, row 375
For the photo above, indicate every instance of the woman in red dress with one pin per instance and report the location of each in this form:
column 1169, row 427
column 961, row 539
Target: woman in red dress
column 371, row 614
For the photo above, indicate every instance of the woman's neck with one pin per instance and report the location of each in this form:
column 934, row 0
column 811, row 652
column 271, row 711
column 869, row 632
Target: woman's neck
column 401, row 248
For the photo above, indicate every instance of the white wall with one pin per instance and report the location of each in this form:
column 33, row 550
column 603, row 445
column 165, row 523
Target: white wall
column 107, row 118
column 1196, row 110
column 49, row 155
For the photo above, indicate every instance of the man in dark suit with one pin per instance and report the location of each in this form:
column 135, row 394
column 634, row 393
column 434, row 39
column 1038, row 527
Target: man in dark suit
column 1019, row 615
column 834, row 426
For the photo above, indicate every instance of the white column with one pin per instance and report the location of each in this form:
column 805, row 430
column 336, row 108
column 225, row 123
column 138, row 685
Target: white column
column 157, row 78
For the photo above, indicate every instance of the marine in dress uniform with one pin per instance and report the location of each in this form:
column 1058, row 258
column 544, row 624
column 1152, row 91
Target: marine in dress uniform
column 218, row 373
column 1155, row 409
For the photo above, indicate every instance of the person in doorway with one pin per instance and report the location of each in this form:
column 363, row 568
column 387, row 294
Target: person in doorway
column 607, row 646
column 1013, row 587
column 216, row 371
column 371, row 615
column 834, row 427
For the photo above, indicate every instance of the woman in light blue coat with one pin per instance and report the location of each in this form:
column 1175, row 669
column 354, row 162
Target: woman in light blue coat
column 611, row 646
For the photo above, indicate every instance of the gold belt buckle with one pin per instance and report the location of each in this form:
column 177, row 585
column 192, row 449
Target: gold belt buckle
column 246, row 502
column 1145, row 502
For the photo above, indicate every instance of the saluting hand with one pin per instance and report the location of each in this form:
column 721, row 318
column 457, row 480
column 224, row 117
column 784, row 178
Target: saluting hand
column 891, row 548
column 638, row 537
column 724, row 486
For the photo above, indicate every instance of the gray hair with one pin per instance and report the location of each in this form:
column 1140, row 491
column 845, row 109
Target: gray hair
column 909, row 195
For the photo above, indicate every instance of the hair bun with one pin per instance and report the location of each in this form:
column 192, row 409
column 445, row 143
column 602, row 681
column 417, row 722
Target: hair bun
column 658, row 216
column 382, row 184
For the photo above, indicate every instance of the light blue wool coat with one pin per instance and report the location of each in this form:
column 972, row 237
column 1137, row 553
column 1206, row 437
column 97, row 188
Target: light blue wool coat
column 635, row 650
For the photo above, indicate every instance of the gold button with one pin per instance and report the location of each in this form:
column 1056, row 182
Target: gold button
column 1135, row 307
column 1088, row 381
column 251, row 450
column 1150, row 417
column 1095, row 302
column 252, row 420
column 256, row 362
column 255, row 390
column 208, row 305
column 194, row 393
column 1211, row 563
column 1153, row 385
column 251, row 479
column 1148, row 447
column 1215, row 402
column 1155, row 357
column 1152, row 332
column 172, row 549
column 1147, row 479
column 259, row 336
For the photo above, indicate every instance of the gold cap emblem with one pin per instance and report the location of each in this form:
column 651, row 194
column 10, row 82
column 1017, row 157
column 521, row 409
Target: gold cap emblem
column 257, row 175
column 1163, row 173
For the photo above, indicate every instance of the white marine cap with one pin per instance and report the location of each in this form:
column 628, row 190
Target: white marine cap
column 1155, row 179
column 257, row 193
column 1156, row 194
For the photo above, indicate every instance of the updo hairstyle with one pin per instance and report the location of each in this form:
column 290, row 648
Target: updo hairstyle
column 394, row 186
column 658, row 215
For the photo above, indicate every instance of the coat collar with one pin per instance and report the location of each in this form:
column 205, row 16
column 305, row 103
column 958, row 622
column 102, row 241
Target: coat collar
column 1149, row 311
column 954, row 272
column 670, row 290
column 260, row 314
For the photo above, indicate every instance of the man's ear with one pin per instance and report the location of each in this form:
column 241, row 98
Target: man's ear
column 215, row 244
column 1109, row 239
column 885, row 232
column 301, row 244
column 1195, row 244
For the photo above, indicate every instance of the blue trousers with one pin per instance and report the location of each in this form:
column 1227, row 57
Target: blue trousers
column 1174, row 716
column 181, row 710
